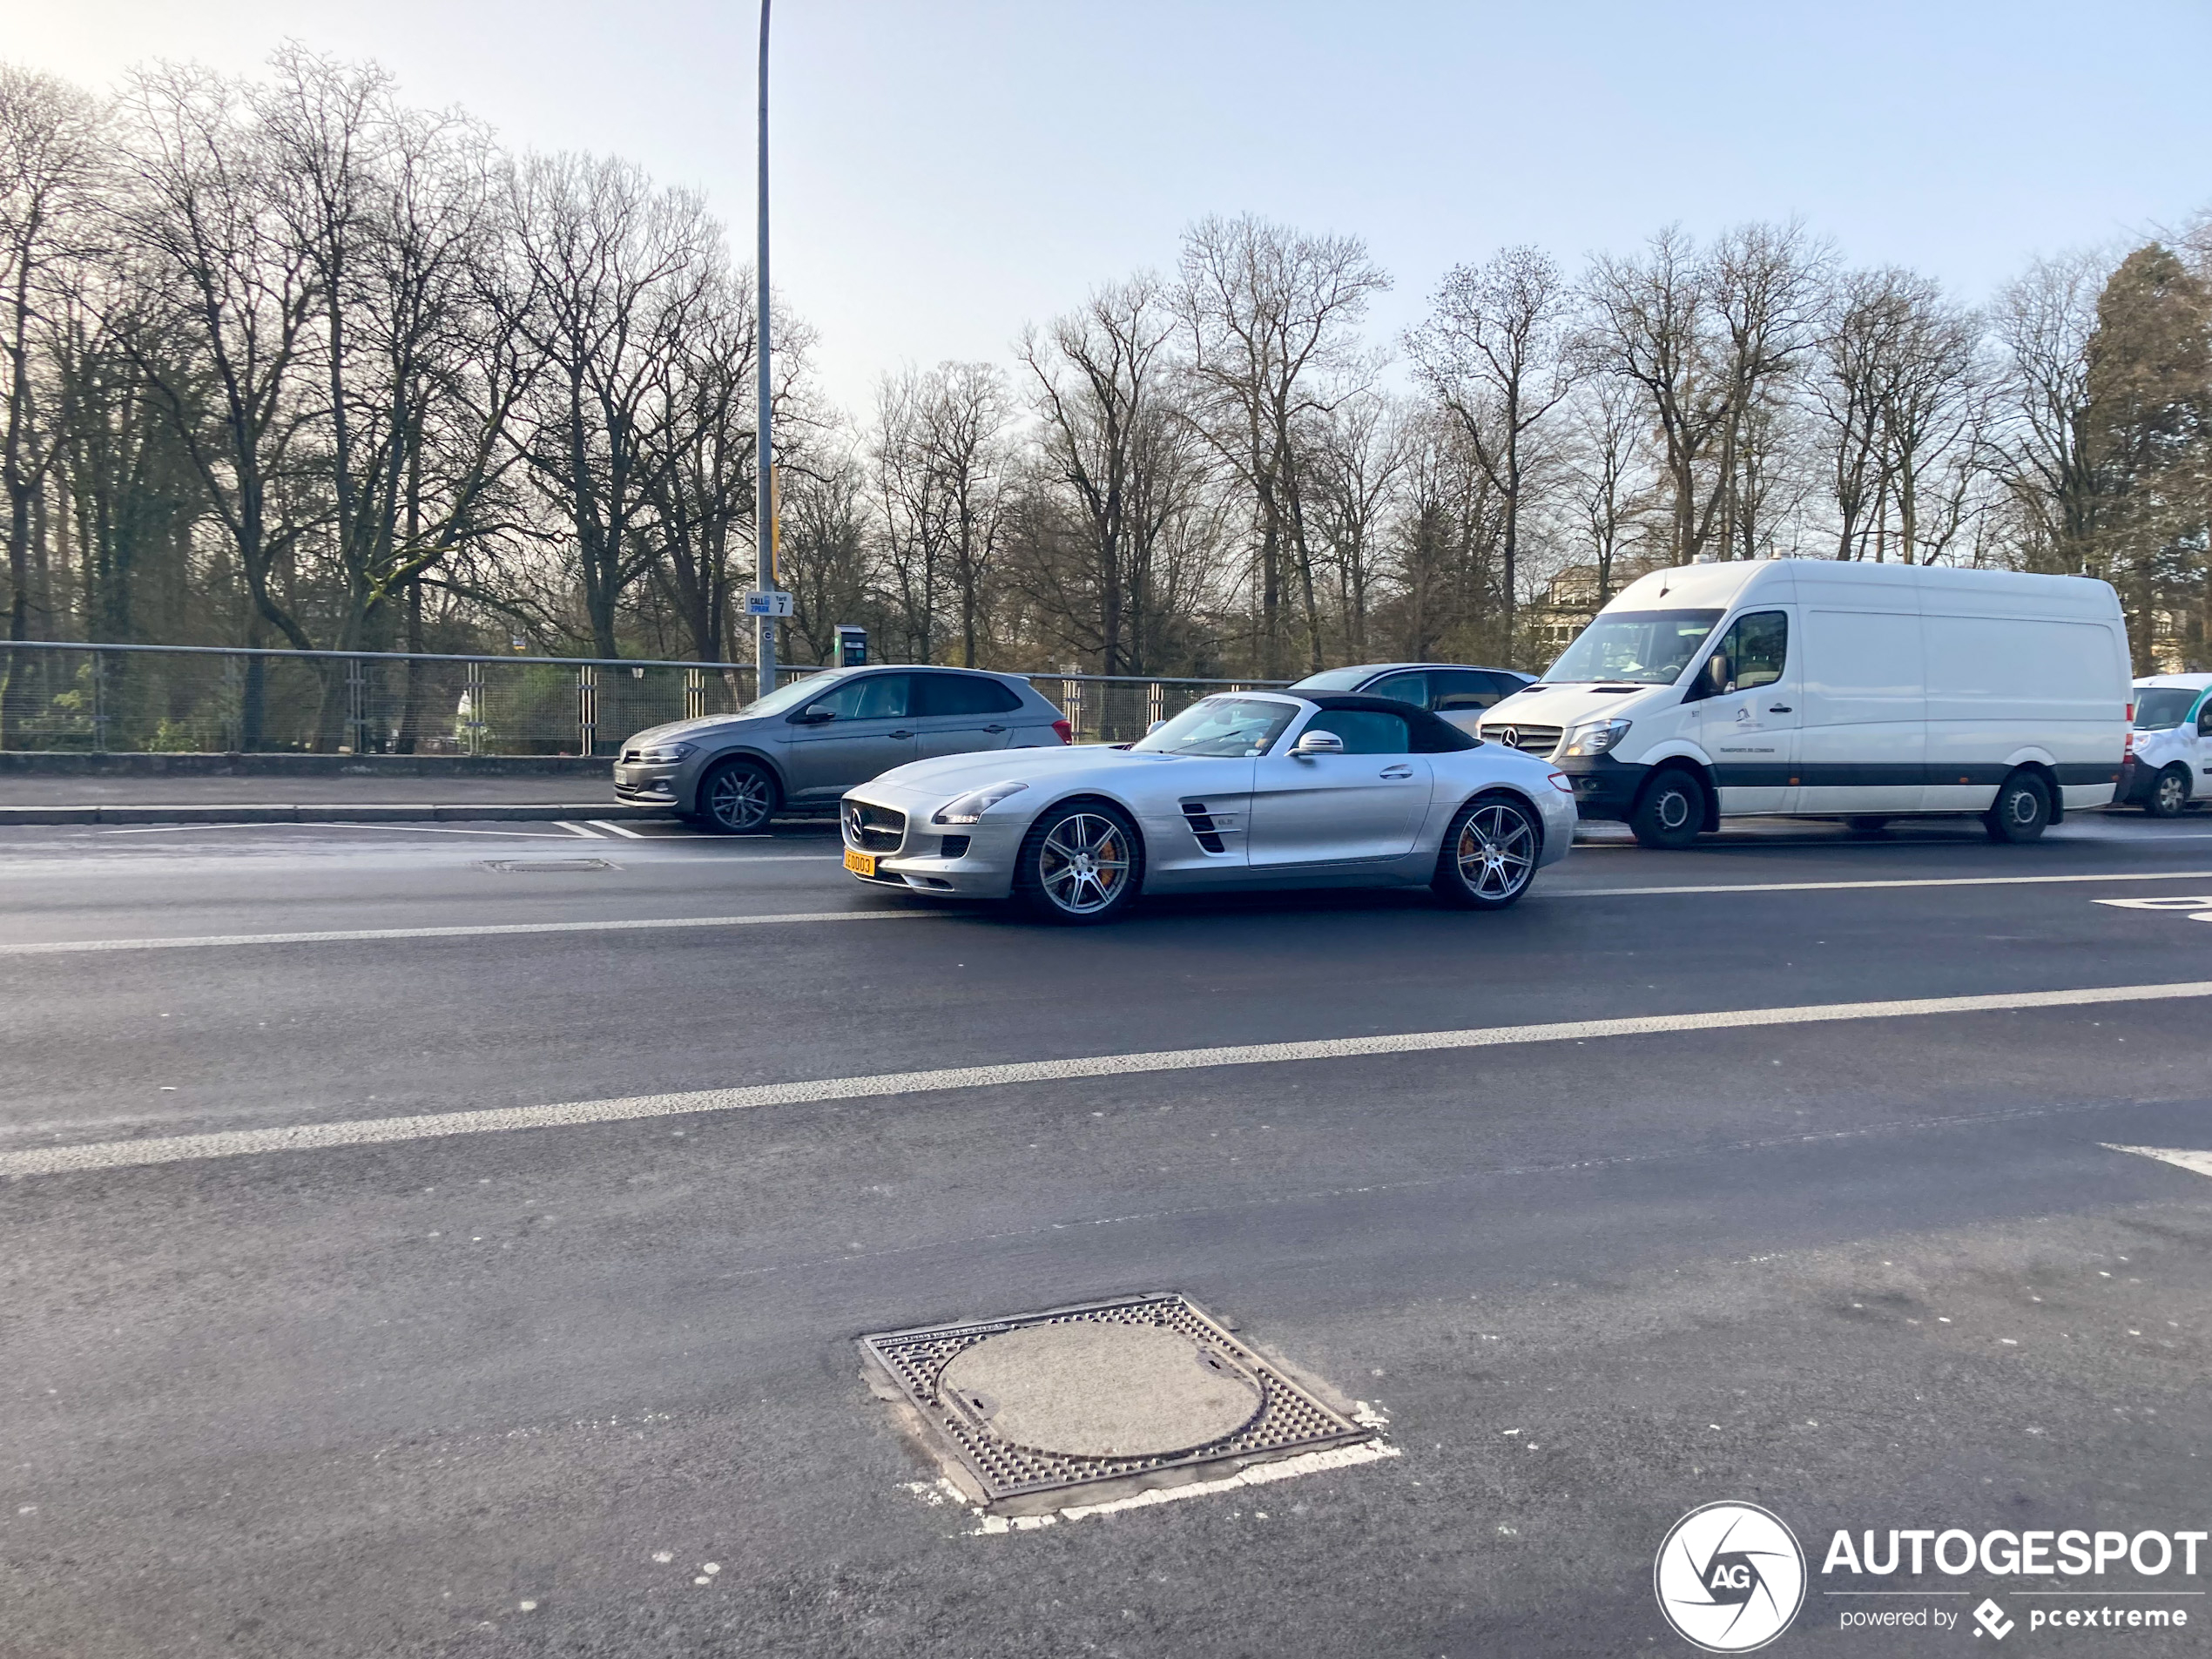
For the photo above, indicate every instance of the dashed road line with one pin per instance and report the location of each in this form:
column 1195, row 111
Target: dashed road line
column 614, row 829
column 176, row 1149
column 577, row 829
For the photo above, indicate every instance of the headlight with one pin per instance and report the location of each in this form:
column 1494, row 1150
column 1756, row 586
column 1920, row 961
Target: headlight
column 970, row 807
column 1594, row 739
column 663, row 754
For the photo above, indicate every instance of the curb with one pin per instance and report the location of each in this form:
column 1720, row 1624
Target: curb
column 325, row 813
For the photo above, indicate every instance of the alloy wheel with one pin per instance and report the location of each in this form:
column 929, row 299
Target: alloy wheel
column 1084, row 863
column 739, row 799
column 1496, row 851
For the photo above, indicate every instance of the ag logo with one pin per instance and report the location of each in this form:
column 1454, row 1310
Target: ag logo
column 1730, row 1577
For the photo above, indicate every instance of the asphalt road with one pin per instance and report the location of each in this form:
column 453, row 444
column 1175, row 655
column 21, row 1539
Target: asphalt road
column 508, row 1392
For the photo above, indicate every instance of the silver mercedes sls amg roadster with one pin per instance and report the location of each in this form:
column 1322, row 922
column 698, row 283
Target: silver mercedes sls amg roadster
column 1246, row 790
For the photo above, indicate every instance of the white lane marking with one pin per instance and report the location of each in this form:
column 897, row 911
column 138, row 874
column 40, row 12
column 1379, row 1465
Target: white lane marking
column 1843, row 887
column 173, row 1149
column 578, row 829
column 2200, row 903
column 614, row 829
column 70, row 947
column 2196, row 1162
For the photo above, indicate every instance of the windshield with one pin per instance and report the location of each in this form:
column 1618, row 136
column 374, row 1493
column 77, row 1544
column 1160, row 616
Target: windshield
column 785, row 697
column 1335, row 679
column 1222, row 725
column 2161, row 708
column 1649, row 647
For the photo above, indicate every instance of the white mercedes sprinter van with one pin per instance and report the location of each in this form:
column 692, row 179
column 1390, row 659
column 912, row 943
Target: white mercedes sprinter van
column 1820, row 689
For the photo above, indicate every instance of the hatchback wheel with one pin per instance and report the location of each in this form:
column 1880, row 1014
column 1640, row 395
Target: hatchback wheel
column 2170, row 792
column 737, row 798
column 1489, row 853
column 1080, row 864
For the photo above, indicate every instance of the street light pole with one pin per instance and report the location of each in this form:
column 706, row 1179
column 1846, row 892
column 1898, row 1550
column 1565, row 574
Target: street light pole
column 764, row 517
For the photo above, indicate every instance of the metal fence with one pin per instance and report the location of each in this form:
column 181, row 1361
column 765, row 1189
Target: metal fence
column 102, row 699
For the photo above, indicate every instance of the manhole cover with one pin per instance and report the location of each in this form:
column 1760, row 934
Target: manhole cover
column 546, row 867
column 1104, row 1392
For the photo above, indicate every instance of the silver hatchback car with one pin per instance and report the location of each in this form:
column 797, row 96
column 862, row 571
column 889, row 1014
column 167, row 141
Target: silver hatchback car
column 811, row 741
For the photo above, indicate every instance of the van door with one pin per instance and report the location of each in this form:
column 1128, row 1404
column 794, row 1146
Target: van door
column 1746, row 713
column 1865, row 745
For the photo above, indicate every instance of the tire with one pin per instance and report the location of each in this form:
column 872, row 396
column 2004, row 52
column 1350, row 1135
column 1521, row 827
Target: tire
column 2022, row 810
column 737, row 798
column 2170, row 792
column 1671, row 811
column 1864, row 825
column 1489, row 854
column 1081, row 864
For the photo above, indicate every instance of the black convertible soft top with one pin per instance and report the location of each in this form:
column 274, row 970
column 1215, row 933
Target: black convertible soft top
column 1432, row 736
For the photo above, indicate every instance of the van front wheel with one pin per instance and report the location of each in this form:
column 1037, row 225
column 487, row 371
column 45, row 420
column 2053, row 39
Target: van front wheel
column 1671, row 812
column 2022, row 810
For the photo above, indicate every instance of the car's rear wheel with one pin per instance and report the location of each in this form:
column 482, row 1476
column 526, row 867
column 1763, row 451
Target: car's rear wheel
column 737, row 798
column 1081, row 863
column 2022, row 810
column 1671, row 812
column 1489, row 853
column 2170, row 792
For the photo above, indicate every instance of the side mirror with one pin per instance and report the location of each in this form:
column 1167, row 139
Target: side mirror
column 1155, row 726
column 814, row 717
column 1318, row 743
column 1711, row 681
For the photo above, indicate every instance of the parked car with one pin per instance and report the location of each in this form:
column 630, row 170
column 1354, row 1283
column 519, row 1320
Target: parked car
column 1815, row 688
column 814, row 738
column 1242, row 790
column 2169, row 744
column 1454, row 690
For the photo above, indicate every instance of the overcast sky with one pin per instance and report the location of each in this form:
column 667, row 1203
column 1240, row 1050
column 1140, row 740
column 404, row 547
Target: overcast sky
column 945, row 172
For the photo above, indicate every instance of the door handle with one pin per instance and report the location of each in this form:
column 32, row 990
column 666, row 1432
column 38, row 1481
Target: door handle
column 903, row 734
column 1778, row 708
column 993, row 728
column 1397, row 771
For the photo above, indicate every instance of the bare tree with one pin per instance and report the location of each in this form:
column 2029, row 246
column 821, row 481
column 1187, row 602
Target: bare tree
column 1493, row 353
column 620, row 275
column 2043, row 320
column 1357, row 455
column 1603, row 475
column 1268, row 315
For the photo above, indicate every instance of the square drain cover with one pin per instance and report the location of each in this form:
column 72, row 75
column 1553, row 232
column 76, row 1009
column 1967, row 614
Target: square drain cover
column 1136, row 1390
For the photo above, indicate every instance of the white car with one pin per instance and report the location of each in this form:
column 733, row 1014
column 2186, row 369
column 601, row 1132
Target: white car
column 1243, row 791
column 2169, row 745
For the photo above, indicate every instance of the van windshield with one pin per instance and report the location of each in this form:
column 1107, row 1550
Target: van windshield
column 1649, row 647
column 2161, row 708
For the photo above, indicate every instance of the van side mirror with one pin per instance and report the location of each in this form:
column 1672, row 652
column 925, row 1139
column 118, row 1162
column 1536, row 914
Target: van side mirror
column 1711, row 681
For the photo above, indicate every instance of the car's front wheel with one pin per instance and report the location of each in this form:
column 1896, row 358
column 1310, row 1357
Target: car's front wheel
column 2170, row 792
column 1489, row 853
column 1081, row 863
column 737, row 798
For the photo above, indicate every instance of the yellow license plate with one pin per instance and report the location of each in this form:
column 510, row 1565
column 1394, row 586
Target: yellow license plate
column 859, row 863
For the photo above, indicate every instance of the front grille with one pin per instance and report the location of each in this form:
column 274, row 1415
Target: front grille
column 1535, row 739
column 873, row 829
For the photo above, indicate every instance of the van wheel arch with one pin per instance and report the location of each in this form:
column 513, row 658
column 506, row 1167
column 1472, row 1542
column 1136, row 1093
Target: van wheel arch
column 1710, row 817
